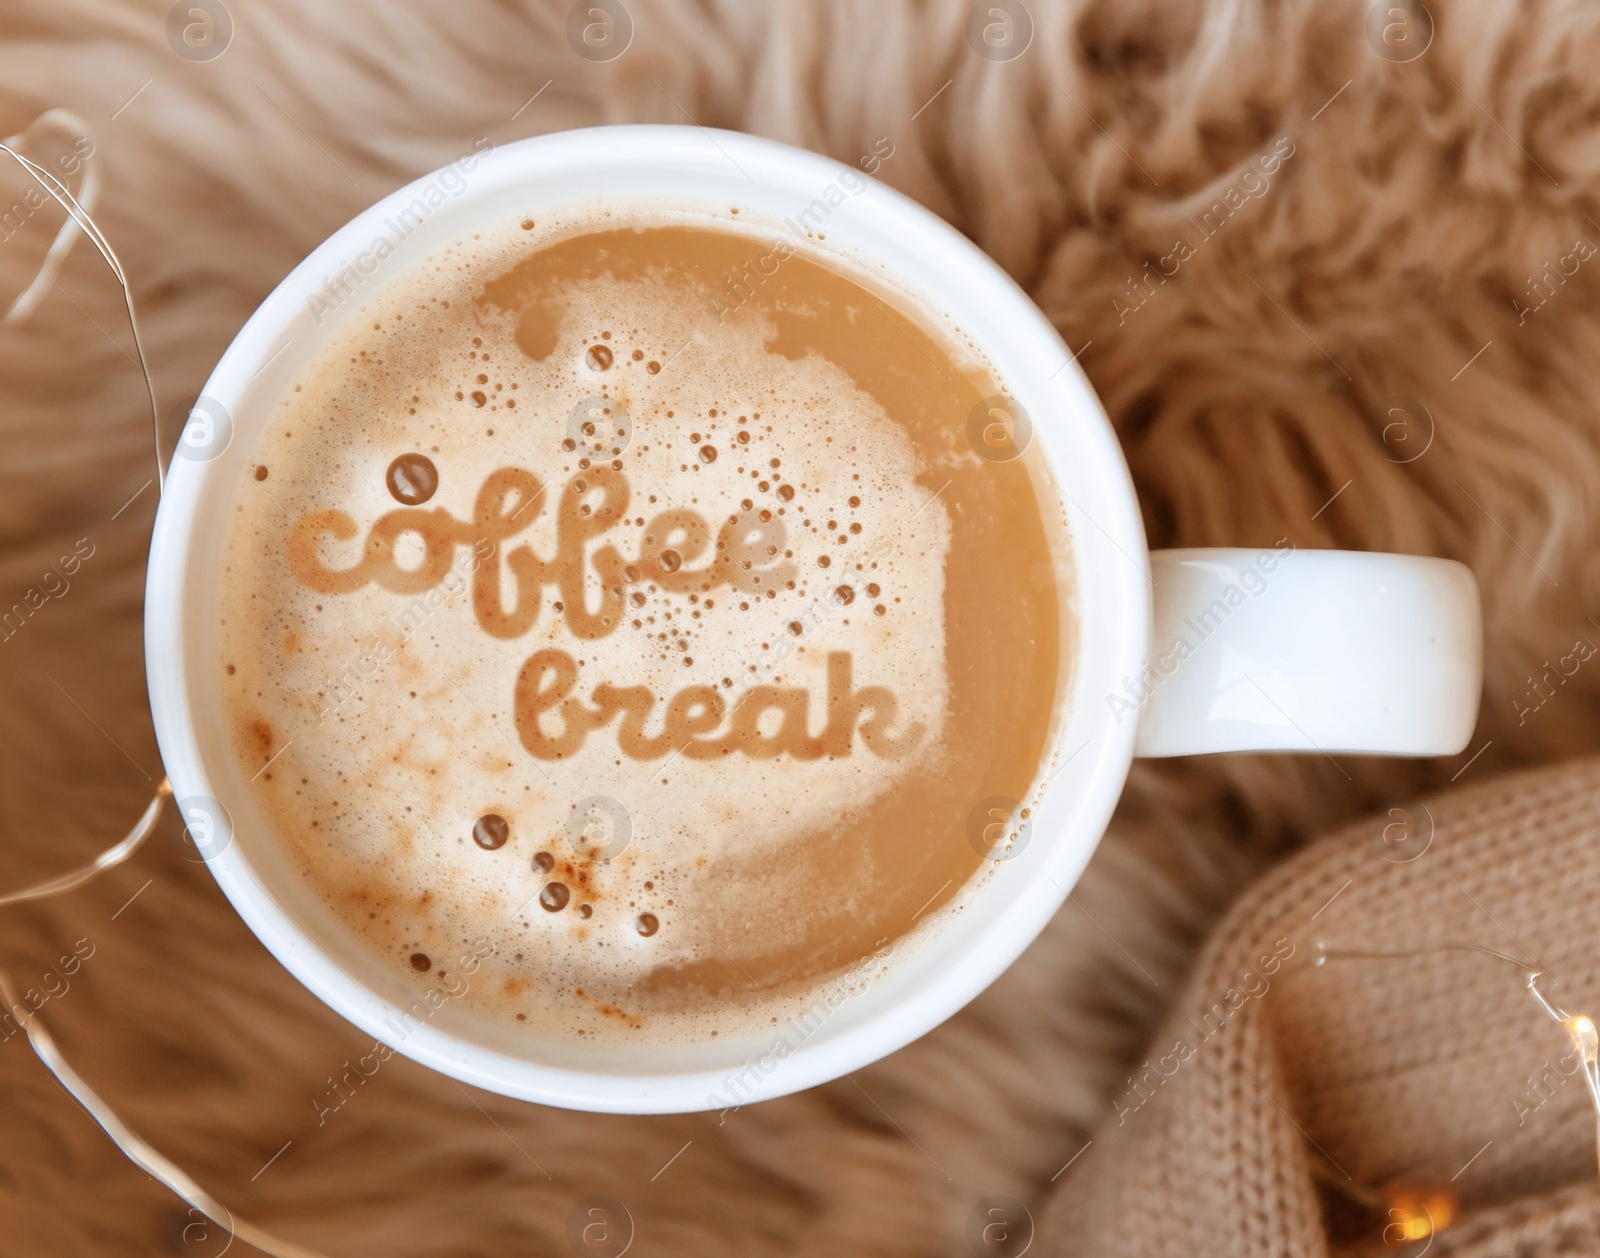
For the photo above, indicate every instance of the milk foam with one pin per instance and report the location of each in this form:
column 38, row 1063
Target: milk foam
column 397, row 709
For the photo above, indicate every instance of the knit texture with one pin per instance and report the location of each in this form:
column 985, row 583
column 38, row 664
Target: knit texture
column 1296, row 1094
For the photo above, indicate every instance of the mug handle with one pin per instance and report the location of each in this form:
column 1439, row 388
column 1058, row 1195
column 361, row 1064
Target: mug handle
column 1282, row 649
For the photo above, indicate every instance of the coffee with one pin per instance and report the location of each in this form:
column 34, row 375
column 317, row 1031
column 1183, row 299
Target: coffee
column 630, row 606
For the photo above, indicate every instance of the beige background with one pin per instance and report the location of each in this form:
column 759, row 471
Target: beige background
column 1252, row 391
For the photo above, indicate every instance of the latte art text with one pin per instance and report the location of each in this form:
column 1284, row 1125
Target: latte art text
column 677, row 553
column 746, row 555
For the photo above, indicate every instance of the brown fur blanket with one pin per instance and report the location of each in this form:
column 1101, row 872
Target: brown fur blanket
column 1387, row 342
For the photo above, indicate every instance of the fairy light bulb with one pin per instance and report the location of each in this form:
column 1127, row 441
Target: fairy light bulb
column 1415, row 1217
column 1585, row 1039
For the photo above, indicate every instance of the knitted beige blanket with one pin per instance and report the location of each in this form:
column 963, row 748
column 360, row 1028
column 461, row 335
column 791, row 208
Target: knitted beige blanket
column 1303, row 1100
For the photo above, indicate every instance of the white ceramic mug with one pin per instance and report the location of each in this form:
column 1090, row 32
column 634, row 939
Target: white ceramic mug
column 1272, row 649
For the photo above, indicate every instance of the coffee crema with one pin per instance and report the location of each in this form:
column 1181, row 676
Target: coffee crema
column 666, row 644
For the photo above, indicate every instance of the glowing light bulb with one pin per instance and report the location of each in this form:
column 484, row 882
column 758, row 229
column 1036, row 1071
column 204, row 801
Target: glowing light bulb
column 1584, row 1037
column 1414, row 1217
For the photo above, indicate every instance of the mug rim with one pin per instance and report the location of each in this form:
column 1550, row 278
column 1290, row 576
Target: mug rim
column 1122, row 601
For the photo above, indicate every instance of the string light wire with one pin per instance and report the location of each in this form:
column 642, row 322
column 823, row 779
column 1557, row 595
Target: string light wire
column 24, row 304
column 134, row 1147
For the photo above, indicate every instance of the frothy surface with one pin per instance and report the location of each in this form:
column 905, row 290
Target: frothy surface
column 656, row 626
